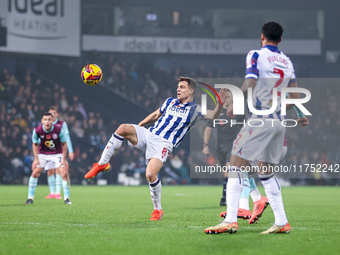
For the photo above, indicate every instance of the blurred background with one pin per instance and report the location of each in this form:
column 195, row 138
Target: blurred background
column 142, row 48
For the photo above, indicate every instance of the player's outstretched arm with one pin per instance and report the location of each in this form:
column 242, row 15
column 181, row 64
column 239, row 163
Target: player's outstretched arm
column 206, row 138
column 217, row 111
column 303, row 121
column 151, row 118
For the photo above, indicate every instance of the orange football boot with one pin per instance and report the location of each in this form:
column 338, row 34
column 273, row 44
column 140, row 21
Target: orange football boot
column 96, row 169
column 156, row 215
column 241, row 214
column 258, row 209
column 278, row 230
column 223, row 227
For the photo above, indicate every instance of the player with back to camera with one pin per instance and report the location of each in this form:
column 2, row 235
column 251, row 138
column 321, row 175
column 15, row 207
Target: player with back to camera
column 249, row 186
column 264, row 143
column 226, row 134
column 54, row 178
column 173, row 121
column 52, row 148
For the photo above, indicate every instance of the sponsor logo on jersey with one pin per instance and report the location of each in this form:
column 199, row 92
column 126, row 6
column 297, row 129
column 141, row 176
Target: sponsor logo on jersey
column 178, row 111
column 42, row 136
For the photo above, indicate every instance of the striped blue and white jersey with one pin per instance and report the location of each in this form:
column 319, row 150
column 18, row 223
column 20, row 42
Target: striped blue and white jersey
column 177, row 119
column 271, row 68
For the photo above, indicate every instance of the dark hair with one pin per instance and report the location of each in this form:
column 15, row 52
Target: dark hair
column 47, row 114
column 192, row 83
column 54, row 108
column 272, row 31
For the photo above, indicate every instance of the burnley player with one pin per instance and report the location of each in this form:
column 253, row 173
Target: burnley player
column 54, row 179
column 173, row 121
column 266, row 68
column 52, row 148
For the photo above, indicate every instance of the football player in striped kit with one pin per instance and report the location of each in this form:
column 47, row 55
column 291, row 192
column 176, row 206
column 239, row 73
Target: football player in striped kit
column 266, row 69
column 173, row 121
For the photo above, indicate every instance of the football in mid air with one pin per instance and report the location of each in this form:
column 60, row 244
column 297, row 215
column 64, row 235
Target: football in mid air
column 91, row 74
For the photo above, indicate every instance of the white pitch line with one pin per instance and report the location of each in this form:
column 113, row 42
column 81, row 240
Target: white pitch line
column 142, row 225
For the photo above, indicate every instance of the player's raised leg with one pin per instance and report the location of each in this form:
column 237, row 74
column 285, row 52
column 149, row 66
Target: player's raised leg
column 123, row 131
column 155, row 185
column 260, row 202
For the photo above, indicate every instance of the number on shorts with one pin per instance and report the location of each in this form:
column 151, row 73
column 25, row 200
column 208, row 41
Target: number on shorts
column 239, row 137
column 59, row 159
column 164, row 151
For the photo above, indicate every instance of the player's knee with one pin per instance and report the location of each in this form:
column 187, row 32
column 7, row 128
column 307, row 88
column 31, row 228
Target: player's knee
column 123, row 130
column 63, row 174
column 35, row 174
column 151, row 177
column 50, row 172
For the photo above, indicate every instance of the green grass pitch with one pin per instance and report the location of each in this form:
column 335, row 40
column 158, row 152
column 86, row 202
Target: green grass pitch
column 115, row 220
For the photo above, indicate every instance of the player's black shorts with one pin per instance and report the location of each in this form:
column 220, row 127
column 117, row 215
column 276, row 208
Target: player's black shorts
column 224, row 153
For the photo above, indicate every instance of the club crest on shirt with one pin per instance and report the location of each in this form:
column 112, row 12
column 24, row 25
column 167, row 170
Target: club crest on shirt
column 55, row 136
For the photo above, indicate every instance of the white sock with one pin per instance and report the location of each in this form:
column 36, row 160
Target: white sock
column 111, row 147
column 254, row 192
column 255, row 195
column 273, row 192
column 234, row 190
column 156, row 193
column 244, row 203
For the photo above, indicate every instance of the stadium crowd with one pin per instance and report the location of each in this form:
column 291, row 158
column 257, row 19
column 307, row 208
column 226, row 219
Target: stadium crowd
column 23, row 100
column 25, row 97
